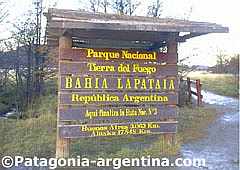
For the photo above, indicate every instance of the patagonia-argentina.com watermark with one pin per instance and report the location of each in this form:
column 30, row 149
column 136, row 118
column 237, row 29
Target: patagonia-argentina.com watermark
column 115, row 163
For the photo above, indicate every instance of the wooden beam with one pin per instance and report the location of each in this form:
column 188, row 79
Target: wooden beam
column 188, row 36
column 139, row 22
column 137, row 26
column 172, row 45
column 172, row 48
column 62, row 144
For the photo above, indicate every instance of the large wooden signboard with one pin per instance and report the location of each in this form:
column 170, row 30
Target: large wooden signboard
column 117, row 92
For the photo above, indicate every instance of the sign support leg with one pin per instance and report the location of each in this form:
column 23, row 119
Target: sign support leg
column 172, row 47
column 62, row 144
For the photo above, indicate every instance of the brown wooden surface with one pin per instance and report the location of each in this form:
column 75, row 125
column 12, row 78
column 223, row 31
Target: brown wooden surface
column 80, row 68
column 85, row 20
column 133, row 114
column 112, row 83
column 75, row 131
column 66, row 98
column 189, row 89
column 84, row 15
column 79, row 54
column 197, row 92
column 199, row 96
column 62, row 144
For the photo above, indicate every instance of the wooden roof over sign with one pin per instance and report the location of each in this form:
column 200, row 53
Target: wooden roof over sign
column 82, row 25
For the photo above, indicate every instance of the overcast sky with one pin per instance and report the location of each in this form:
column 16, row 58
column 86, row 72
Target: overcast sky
column 202, row 50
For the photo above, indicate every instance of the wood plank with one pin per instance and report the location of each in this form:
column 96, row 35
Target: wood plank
column 116, row 98
column 110, row 35
column 83, row 15
column 113, row 68
column 80, row 54
column 62, row 144
column 139, row 26
column 123, row 84
column 138, row 113
column 123, row 129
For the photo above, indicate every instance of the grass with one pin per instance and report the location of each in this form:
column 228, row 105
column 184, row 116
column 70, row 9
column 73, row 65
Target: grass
column 36, row 136
column 129, row 146
column 193, row 121
column 222, row 84
column 31, row 136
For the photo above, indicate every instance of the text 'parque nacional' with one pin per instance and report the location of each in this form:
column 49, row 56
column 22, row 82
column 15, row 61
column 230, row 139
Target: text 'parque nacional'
column 124, row 54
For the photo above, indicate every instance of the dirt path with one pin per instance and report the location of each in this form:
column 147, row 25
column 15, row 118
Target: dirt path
column 220, row 148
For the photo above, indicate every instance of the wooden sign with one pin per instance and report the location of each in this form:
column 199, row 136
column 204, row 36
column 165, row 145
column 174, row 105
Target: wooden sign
column 84, row 54
column 117, row 92
column 118, row 129
column 116, row 98
column 108, row 68
column 123, row 84
column 137, row 113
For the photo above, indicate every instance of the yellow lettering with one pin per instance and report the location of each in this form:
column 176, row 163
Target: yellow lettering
column 119, row 84
column 100, row 68
column 78, row 83
column 88, row 83
column 128, row 84
column 136, row 82
column 164, row 84
column 104, row 84
column 68, row 82
column 158, row 86
column 151, row 81
column 74, row 97
column 84, row 128
column 89, row 52
column 171, row 85
column 102, row 54
column 144, row 86
column 96, row 83
column 165, row 98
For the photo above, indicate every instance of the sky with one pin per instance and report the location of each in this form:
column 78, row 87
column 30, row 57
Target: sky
column 200, row 50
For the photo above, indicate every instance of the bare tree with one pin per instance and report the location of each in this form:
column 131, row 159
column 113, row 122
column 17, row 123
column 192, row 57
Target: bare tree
column 120, row 6
column 221, row 62
column 105, row 4
column 183, row 68
column 132, row 6
column 155, row 10
column 24, row 35
column 94, row 5
column 127, row 7
column 90, row 5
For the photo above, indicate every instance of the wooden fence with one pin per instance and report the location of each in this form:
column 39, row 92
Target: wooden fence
column 198, row 86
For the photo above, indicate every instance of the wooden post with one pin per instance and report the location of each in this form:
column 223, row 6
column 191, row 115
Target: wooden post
column 62, row 145
column 200, row 92
column 199, row 95
column 172, row 46
column 171, row 50
column 189, row 89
